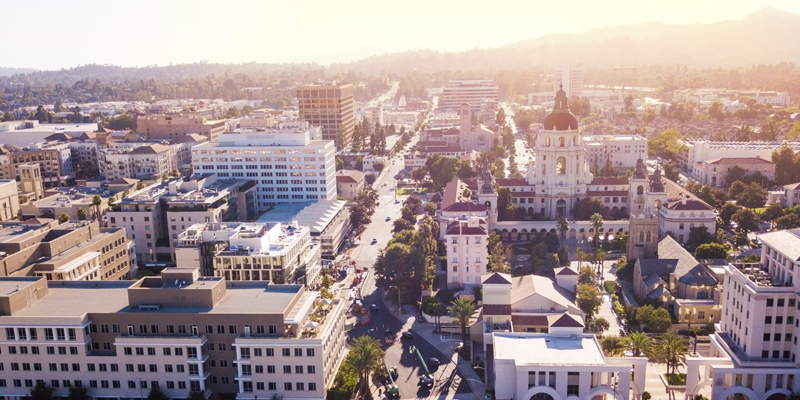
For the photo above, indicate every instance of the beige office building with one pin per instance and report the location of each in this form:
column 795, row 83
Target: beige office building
column 328, row 106
column 158, row 127
column 177, row 331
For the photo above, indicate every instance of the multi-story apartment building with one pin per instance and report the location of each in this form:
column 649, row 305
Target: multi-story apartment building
column 466, row 239
column 754, row 350
column 78, row 250
column 288, row 163
column 701, row 150
column 9, row 199
column 622, row 150
column 155, row 215
column 329, row 106
column 478, row 93
column 571, row 77
column 55, row 160
column 177, row 331
column 148, row 160
column 168, row 127
column 242, row 251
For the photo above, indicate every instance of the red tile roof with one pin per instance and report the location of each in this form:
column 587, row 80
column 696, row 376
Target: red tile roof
column 496, row 309
column 609, row 180
column 465, row 206
column 538, row 320
column 497, row 278
column 565, row 271
column 453, row 228
column 691, row 205
column 739, row 160
column 512, row 182
column 565, row 321
column 349, row 176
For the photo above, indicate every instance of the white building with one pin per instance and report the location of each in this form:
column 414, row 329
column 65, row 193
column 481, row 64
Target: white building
column 475, row 92
column 563, row 364
column 708, row 95
column 289, row 163
column 753, row 352
column 701, row 150
column 401, row 118
column 571, row 76
column 791, row 194
column 466, row 240
column 622, row 150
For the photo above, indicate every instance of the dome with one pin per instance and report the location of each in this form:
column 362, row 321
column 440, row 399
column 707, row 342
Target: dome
column 560, row 122
column 561, row 119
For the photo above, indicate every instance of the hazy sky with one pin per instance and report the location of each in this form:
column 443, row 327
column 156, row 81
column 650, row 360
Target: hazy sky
column 56, row 34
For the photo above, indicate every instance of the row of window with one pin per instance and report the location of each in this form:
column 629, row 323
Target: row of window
column 287, row 386
column 260, row 151
column 247, row 369
column 49, row 334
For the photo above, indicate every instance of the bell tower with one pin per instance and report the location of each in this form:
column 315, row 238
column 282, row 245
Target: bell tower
column 637, row 189
column 643, row 237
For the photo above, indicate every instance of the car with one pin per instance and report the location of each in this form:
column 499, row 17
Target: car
column 374, row 240
column 434, row 362
column 408, row 335
column 373, row 307
column 388, row 218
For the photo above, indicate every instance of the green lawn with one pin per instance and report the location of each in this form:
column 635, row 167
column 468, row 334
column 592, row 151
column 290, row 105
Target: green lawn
column 409, row 191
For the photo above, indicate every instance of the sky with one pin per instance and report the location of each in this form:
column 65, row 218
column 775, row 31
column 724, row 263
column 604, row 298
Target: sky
column 58, row 34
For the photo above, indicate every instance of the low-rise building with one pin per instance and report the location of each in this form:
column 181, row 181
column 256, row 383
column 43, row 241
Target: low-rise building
column 178, row 331
column 715, row 171
column 696, row 150
column 168, row 127
column 69, row 200
column 622, row 150
column 349, row 183
column 241, row 251
column 791, row 194
column 77, row 250
column 687, row 288
column 155, row 215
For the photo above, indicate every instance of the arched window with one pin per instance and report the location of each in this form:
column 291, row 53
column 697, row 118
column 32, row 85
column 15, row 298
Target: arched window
column 648, row 237
column 641, row 237
column 548, row 141
column 561, row 165
column 561, row 141
column 544, row 169
column 640, row 190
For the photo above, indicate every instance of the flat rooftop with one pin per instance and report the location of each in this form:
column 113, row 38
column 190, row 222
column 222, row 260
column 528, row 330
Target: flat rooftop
column 548, row 349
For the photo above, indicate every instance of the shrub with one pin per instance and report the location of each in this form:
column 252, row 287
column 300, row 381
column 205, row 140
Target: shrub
column 610, row 286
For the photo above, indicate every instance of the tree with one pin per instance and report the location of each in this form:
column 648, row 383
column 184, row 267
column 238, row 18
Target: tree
column 370, row 178
column 711, row 251
column 78, row 393
column 769, row 129
column 788, row 221
column 596, row 220
column 772, row 213
column 563, row 256
column 97, row 201
column 419, row 174
column 752, row 196
column 63, row 218
column 665, row 144
column 81, row 214
column 196, row 394
column 747, row 220
column 378, row 166
column 43, row 115
column 653, row 319
column 430, row 209
column 461, row 310
column 500, row 118
column 613, row 346
column 794, row 133
column 140, row 185
column 580, row 255
column 624, row 271
column 716, row 110
column 401, row 224
column 727, row 211
column 499, row 255
column 699, row 235
column 587, row 276
column 589, row 299
column 600, row 325
column 563, row 227
column 670, row 349
column 365, row 357
column 157, row 394
column 785, row 163
column 639, row 344
column 41, row 392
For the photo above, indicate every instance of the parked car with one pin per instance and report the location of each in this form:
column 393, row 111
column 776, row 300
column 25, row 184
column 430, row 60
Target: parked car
column 373, row 307
column 408, row 335
column 434, row 362
column 374, row 240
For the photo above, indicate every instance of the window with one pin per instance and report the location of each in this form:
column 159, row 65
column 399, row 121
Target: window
column 766, row 337
column 770, row 302
column 272, row 386
column 287, row 386
column 270, row 369
column 311, row 369
column 287, row 369
column 309, row 352
column 781, row 302
column 298, row 369
column 286, row 352
column 768, row 319
column 312, row 386
column 298, row 352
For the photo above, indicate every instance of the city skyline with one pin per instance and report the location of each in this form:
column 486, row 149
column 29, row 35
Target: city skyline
column 323, row 32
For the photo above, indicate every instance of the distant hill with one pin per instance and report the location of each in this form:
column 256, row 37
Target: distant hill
column 766, row 36
column 5, row 71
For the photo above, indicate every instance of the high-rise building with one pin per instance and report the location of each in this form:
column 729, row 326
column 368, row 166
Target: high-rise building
column 289, row 163
column 329, row 106
column 480, row 94
column 571, row 76
column 178, row 332
column 754, row 350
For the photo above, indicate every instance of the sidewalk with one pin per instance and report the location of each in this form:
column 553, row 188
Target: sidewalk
column 446, row 346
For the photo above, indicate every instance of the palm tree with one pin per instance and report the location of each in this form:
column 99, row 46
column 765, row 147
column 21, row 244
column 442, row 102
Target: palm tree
column 597, row 222
column 580, row 255
column 671, row 350
column 461, row 309
column 365, row 356
column 63, row 218
column 639, row 344
column 563, row 227
column 97, row 201
column 613, row 345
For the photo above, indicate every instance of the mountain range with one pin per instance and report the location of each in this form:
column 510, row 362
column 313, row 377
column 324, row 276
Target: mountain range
column 767, row 36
